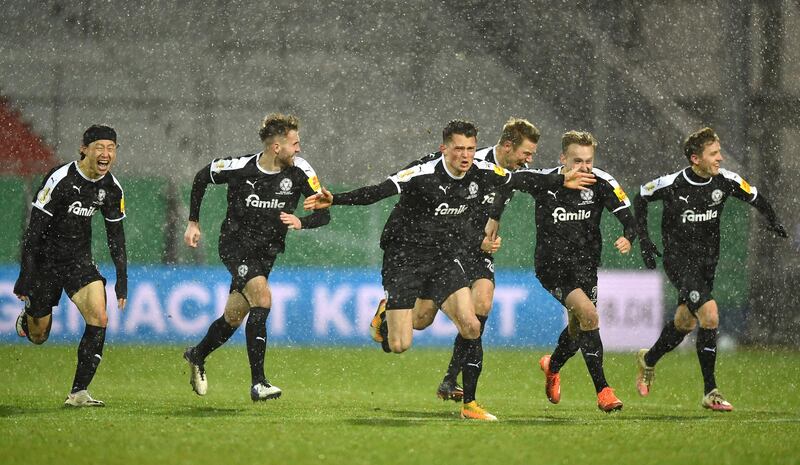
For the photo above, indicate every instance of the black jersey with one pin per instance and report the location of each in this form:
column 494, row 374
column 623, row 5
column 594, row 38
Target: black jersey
column 692, row 210
column 435, row 207
column 256, row 199
column 478, row 216
column 70, row 199
column 568, row 220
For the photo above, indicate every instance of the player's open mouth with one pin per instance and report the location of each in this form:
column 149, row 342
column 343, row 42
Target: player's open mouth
column 102, row 164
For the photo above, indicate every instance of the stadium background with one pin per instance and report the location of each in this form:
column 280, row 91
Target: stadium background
column 374, row 82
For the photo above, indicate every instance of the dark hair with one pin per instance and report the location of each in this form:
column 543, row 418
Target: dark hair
column 516, row 130
column 697, row 141
column 457, row 126
column 97, row 132
column 277, row 124
column 577, row 137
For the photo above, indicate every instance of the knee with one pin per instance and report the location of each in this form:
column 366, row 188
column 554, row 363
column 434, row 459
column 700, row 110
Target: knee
column 709, row 321
column 471, row 329
column 234, row 319
column 685, row 326
column 483, row 306
column 422, row 321
column 588, row 319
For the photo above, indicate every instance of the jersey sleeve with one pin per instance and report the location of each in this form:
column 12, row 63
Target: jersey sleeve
column 114, row 205
column 740, row 188
column 221, row 170
column 614, row 197
column 311, row 184
column 657, row 189
column 47, row 197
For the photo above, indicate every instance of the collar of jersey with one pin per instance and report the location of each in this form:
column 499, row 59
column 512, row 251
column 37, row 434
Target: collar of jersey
column 444, row 165
column 78, row 169
column 258, row 157
column 691, row 177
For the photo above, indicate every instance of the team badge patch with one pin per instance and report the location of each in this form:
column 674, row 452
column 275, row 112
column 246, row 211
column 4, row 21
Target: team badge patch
column 499, row 170
column 101, row 195
column 716, row 196
column 587, row 194
column 694, row 296
column 314, row 183
column 473, row 189
column 122, row 204
column 44, row 195
column 621, row 195
column 286, row 185
column 242, row 270
column 745, row 187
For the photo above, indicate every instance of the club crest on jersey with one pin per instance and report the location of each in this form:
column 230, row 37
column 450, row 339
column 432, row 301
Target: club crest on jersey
column 587, row 194
column 286, row 186
column 716, row 197
column 473, row 190
column 693, row 217
column 561, row 214
column 101, row 195
column 77, row 208
column 255, row 201
column 242, row 270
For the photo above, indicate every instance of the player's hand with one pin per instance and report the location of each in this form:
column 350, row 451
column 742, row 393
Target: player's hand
column 121, row 304
column 576, row 179
column 323, row 199
column 779, row 230
column 192, row 235
column 649, row 252
column 491, row 229
column 291, row 221
column 623, row 245
column 491, row 245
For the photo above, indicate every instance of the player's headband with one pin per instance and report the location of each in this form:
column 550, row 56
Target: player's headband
column 99, row 132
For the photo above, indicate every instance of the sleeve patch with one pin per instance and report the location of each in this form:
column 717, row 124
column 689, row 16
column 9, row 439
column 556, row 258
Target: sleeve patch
column 499, row 170
column 745, row 186
column 620, row 194
column 44, row 195
column 314, row 183
column 122, row 205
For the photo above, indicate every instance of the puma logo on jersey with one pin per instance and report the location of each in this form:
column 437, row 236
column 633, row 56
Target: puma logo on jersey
column 253, row 200
column 553, row 194
column 76, row 188
column 685, row 199
column 77, row 208
column 444, row 189
column 251, row 183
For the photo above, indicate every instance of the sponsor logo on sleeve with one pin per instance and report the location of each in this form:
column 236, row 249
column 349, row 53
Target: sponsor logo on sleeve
column 405, row 174
column 122, row 205
column 314, row 183
column 44, row 195
column 499, row 170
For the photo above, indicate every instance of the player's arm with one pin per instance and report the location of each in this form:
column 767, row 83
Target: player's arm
column 361, row 196
column 201, row 181
column 744, row 191
column 616, row 201
column 648, row 248
column 115, row 234
column 38, row 224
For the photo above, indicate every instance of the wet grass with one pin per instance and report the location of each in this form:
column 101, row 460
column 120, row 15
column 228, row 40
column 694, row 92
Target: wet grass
column 358, row 405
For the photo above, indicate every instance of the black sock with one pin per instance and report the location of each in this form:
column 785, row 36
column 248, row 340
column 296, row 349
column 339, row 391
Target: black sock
column 471, row 370
column 565, row 349
column 90, row 353
column 592, row 348
column 256, row 335
column 707, row 355
column 459, row 348
column 383, row 329
column 219, row 332
column 669, row 339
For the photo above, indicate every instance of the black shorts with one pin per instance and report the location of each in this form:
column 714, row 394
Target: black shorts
column 693, row 277
column 478, row 265
column 49, row 281
column 561, row 280
column 243, row 269
column 409, row 274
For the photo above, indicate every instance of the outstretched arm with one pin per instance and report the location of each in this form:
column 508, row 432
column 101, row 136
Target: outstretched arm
column 202, row 179
column 361, row 196
column 115, row 234
column 765, row 208
column 38, row 223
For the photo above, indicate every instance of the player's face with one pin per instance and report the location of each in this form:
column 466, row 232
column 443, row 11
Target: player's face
column 459, row 153
column 578, row 156
column 708, row 163
column 286, row 148
column 99, row 156
column 521, row 156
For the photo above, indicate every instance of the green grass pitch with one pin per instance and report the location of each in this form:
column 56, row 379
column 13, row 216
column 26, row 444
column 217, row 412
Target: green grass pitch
column 358, row 405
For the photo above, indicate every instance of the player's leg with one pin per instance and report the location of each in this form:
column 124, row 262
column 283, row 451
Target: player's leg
column 400, row 329
column 708, row 317
column 459, row 307
column 91, row 302
column 259, row 296
column 35, row 320
column 673, row 333
column 551, row 365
